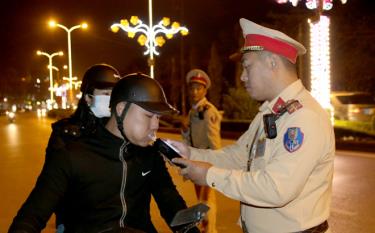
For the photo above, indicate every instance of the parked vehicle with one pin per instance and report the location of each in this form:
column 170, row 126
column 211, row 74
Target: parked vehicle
column 353, row 106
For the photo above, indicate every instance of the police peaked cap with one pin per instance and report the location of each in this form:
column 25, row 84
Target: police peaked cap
column 259, row 38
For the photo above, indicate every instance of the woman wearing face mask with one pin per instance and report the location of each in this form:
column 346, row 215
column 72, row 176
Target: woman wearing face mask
column 96, row 88
column 93, row 109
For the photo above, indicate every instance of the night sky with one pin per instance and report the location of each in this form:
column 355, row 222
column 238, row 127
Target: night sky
column 24, row 30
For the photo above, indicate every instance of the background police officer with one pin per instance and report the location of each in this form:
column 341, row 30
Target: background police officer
column 202, row 130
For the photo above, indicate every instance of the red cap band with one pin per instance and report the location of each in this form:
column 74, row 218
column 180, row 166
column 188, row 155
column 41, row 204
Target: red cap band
column 198, row 79
column 272, row 45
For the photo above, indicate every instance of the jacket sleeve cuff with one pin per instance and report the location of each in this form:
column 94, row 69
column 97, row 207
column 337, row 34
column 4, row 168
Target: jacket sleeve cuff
column 216, row 177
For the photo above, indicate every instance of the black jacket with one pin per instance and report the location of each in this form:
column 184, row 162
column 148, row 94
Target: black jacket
column 109, row 183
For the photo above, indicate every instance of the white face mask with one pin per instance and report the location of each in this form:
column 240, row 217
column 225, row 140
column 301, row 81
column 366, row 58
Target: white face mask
column 100, row 106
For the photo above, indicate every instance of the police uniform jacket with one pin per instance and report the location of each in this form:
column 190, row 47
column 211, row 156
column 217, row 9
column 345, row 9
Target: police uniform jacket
column 109, row 184
column 204, row 126
column 289, row 185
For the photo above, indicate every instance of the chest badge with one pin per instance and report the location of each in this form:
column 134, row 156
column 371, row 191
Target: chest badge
column 293, row 139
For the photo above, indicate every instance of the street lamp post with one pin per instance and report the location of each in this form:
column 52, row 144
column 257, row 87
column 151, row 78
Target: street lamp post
column 50, row 67
column 149, row 33
column 69, row 31
column 57, row 72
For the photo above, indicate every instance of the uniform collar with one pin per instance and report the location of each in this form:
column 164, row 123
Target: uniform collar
column 290, row 92
column 200, row 103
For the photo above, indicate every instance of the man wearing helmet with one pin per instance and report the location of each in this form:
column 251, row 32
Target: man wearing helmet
column 202, row 130
column 111, row 173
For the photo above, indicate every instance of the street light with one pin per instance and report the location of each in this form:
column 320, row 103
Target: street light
column 69, row 30
column 149, row 33
column 57, row 72
column 50, row 67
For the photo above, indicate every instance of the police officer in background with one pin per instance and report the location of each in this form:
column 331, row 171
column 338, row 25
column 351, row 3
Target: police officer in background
column 281, row 168
column 93, row 107
column 111, row 173
column 202, row 130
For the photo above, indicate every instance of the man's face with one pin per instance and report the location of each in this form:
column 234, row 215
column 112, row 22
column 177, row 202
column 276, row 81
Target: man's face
column 197, row 92
column 255, row 75
column 140, row 126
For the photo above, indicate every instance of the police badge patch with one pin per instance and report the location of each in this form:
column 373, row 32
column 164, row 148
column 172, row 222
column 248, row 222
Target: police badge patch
column 293, row 139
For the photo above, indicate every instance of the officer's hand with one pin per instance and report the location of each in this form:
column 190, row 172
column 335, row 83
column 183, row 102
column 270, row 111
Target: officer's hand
column 181, row 147
column 195, row 171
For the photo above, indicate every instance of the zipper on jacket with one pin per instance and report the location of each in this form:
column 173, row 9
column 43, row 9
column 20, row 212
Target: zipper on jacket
column 123, row 149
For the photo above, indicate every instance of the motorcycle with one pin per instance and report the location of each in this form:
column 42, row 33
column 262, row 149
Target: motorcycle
column 11, row 117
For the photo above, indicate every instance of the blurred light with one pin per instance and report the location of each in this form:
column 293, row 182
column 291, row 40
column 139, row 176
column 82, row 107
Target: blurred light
column 354, row 110
column 12, row 135
column 52, row 23
column 14, row 108
column 11, row 114
column 41, row 112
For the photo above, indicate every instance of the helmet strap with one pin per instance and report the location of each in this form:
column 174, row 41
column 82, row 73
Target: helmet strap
column 120, row 120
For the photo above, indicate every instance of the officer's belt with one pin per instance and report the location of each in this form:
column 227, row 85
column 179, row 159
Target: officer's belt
column 321, row 228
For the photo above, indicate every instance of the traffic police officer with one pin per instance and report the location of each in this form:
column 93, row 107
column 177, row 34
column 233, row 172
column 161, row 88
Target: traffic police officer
column 202, row 130
column 281, row 168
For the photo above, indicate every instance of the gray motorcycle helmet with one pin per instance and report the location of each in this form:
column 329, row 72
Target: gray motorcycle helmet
column 140, row 89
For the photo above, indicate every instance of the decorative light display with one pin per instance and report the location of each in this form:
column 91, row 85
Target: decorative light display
column 320, row 61
column 150, row 35
column 320, row 51
column 313, row 4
